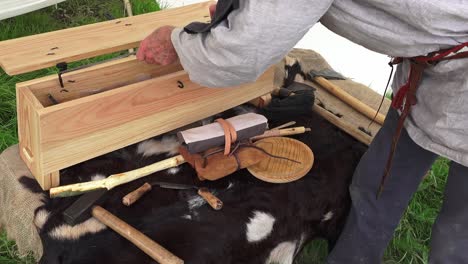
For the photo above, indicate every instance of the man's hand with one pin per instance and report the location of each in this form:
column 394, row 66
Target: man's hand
column 157, row 48
column 212, row 9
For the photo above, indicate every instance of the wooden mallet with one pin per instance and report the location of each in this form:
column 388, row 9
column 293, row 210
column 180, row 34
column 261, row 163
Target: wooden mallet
column 85, row 205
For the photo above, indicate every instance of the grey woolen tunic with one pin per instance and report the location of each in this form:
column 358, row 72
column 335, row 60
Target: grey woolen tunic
column 261, row 32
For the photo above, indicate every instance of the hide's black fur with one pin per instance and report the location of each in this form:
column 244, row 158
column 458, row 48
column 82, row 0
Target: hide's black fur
column 214, row 236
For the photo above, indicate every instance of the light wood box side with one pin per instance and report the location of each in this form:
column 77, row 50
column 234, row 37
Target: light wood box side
column 82, row 128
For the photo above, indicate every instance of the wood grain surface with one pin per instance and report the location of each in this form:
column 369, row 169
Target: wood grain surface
column 140, row 240
column 276, row 170
column 44, row 50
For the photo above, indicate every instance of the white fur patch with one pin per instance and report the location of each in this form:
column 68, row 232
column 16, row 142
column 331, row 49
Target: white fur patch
column 67, row 232
column 283, row 253
column 168, row 144
column 195, row 202
column 327, row 216
column 260, row 226
column 173, row 171
column 188, row 217
column 230, row 185
column 41, row 218
column 97, row 177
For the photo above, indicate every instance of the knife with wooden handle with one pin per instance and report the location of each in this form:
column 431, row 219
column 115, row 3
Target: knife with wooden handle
column 208, row 196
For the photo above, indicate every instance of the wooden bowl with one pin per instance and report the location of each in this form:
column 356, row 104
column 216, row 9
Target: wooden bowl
column 300, row 159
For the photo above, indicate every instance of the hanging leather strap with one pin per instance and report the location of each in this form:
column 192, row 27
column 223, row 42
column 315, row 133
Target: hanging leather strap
column 223, row 9
column 406, row 95
column 230, row 135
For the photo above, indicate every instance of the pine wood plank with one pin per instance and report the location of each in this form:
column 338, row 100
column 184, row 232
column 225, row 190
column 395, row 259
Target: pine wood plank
column 29, row 134
column 44, row 50
column 96, row 79
column 343, row 125
column 81, row 129
column 54, row 178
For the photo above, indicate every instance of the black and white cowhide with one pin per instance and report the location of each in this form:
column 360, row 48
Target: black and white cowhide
column 259, row 223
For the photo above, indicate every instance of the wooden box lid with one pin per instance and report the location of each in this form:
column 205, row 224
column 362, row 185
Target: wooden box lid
column 45, row 50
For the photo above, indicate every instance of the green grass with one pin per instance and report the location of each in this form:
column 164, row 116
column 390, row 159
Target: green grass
column 8, row 252
column 313, row 253
column 411, row 241
column 71, row 13
column 68, row 14
column 410, row 244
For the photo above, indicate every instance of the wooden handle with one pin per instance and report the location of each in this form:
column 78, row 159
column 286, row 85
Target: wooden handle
column 116, row 179
column 128, row 8
column 134, row 196
column 292, row 123
column 282, row 132
column 293, row 131
column 350, row 100
column 212, row 200
column 153, row 249
column 77, row 189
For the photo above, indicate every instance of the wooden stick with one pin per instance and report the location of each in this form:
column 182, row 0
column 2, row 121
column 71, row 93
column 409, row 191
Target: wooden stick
column 128, row 8
column 116, row 179
column 348, row 128
column 350, row 100
column 134, row 196
column 212, row 200
column 147, row 245
column 292, row 123
column 282, row 132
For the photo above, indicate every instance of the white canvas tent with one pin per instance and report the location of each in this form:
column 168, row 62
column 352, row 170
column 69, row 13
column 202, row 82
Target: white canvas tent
column 11, row 8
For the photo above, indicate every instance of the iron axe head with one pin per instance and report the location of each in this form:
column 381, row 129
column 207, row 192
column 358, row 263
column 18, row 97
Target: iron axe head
column 81, row 208
column 328, row 74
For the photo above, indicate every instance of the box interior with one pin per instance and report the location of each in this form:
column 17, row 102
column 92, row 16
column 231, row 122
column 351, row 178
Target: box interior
column 94, row 80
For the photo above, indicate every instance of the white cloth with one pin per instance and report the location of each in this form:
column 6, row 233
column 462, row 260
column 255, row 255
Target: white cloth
column 260, row 33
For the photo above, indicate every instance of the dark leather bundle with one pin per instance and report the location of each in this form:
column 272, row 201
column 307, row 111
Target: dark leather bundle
column 295, row 100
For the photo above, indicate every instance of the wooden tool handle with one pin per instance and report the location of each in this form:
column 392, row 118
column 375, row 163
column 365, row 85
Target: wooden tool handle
column 288, row 124
column 116, row 179
column 282, row 132
column 350, row 100
column 212, row 200
column 293, row 131
column 153, row 249
column 134, row 196
column 77, row 189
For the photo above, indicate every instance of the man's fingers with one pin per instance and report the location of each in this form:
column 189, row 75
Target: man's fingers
column 157, row 48
column 149, row 57
column 150, row 61
column 212, row 9
column 142, row 50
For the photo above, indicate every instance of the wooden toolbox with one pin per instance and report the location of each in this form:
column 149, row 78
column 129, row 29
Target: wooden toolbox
column 68, row 118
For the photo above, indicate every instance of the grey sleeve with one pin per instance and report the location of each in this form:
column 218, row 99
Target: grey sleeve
column 253, row 38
